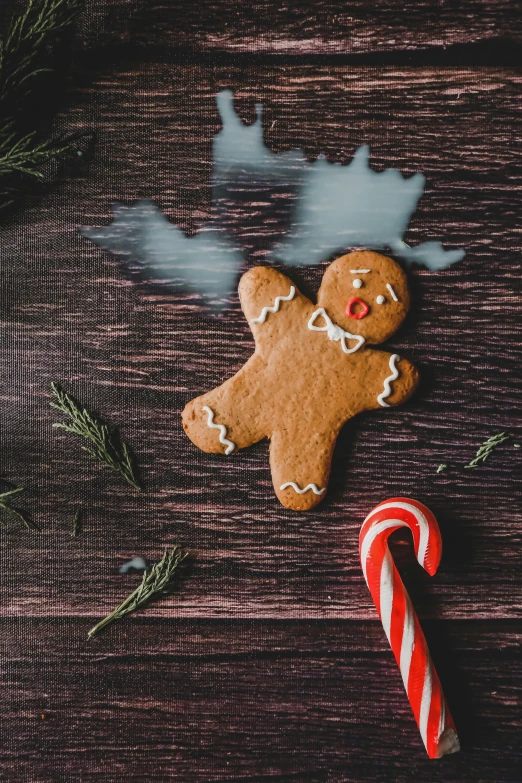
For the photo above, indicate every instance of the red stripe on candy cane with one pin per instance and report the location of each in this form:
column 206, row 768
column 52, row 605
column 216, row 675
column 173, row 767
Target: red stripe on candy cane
column 398, row 617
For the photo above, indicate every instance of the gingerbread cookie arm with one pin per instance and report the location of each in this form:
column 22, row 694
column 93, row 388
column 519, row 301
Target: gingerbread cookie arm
column 269, row 299
column 300, row 462
column 399, row 381
column 230, row 417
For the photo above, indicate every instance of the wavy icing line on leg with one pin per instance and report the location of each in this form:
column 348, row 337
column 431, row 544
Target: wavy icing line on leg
column 277, row 303
column 222, row 431
column 393, row 377
column 294, row 486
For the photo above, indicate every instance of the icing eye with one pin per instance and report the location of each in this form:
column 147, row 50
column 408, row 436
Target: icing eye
column 357, row 283
column 380, row 299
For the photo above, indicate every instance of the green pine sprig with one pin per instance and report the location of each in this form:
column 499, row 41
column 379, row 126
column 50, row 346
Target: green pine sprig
column 106, row 444
column 155, row 583
column 6, row 499
column 487, row 448
column 26, row 156
column 26, row 58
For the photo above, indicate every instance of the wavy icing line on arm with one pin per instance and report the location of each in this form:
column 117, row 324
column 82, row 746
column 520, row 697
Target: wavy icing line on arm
column 294, row 486
column 393, row 377
column 222, row 430
column 277, row 303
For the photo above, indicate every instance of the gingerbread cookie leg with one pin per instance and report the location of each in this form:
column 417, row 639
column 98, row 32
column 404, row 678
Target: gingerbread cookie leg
column 230, row 417
column 300, row 464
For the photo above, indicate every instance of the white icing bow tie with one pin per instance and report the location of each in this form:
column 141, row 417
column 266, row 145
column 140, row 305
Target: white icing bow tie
column 334, row 332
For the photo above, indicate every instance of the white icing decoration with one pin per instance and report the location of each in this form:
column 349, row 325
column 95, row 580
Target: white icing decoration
column 294, row 486
column 360, row 271
column 392, row 292
column 334, row 332
column 222, row 430
column 264, row 312
column 380, row 299
column 357, row 283
column 393, row 377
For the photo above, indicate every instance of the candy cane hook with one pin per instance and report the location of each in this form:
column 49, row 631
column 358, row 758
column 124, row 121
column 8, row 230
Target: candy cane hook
column 398, row 617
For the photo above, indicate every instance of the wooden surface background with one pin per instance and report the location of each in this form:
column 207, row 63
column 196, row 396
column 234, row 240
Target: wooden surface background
column 268, row 663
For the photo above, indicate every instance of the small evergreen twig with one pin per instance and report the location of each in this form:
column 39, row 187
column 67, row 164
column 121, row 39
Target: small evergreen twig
column 25, row 156
column 154, row 583
column 441, row 467
column 107, row 445
column 487, row 448
column 5, row 504
column 26, row 58
column 77, row 523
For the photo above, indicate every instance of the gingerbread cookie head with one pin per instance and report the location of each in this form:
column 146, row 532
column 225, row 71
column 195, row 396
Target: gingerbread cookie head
column 366, row 294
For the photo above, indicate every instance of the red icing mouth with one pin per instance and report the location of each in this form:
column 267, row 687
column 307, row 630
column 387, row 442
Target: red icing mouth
column 351, row 311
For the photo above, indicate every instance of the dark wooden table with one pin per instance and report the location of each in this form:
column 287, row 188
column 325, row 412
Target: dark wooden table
column 268, row 662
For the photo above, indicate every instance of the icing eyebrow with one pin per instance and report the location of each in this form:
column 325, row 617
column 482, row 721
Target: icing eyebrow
column 392, row 292
column 360, row 271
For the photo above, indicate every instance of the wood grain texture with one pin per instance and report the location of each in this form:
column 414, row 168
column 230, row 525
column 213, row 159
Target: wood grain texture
column 299, row 701
column 311, row 27
column 137, row 355
column 266, row 664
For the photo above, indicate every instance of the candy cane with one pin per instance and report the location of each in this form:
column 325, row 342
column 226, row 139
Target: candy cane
column 398, row 617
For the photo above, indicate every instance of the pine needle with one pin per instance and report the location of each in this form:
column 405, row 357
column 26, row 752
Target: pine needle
column 107, row 445
column 77, row 523
column 5, row 504
column 487, row 448
column 441, row 467
column 154, row 583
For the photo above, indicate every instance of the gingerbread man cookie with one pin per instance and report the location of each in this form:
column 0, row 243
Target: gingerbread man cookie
column 312, row 370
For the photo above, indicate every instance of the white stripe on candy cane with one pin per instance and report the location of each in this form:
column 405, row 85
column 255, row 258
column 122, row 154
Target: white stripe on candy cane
column 408, row 639
column 386, row 592
column 426, row 702
column 372, row 534
column 424, row 528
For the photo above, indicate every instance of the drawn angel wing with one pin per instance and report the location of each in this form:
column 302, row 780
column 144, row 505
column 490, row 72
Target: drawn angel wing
column 353, row 206
column 153, row 249
column 260, row 198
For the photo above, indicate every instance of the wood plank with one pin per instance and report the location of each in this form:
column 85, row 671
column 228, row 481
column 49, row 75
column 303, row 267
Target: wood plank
column 249, row 701
column 169, row 695
column 311, row 28
column 70, row 315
